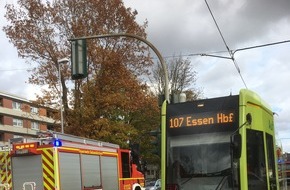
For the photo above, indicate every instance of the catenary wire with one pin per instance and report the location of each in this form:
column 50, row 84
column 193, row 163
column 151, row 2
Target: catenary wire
column 231, row 53
column 210, row 54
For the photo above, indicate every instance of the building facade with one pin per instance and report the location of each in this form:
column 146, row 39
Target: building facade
column 153, row 172
column 20, row 117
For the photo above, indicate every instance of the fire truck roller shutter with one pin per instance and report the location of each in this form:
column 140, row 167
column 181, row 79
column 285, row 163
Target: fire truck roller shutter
column 69, row 171
column 27, row 169
column 109, row 172
column 91, row 170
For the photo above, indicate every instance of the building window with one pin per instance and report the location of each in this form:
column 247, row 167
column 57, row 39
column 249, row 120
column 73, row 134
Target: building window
column 17, row 136
column 1, row 119
column 34, row 125
column 2, row 137
column 16, row 105
column 150, row 172
column 34, row 110
column 1, row 101
column 17, row 122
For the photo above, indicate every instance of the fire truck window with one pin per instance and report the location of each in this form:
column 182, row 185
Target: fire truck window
column 256, row 167
column 125, row 164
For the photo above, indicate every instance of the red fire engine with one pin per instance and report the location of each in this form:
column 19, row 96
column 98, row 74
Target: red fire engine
column 66, row 162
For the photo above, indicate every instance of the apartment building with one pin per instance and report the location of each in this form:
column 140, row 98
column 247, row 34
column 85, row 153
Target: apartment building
column 20, row 117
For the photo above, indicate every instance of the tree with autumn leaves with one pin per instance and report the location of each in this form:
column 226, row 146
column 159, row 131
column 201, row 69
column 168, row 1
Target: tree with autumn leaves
column 105, row 105
column 112, row 104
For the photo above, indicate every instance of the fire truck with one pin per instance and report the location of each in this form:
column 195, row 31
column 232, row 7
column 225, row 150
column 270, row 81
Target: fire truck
column 57, row 161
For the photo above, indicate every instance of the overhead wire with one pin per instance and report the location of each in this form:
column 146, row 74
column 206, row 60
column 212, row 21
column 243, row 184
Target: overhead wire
column 228, row 49
column 214, row 53
column 209, row 54
column 259, row 46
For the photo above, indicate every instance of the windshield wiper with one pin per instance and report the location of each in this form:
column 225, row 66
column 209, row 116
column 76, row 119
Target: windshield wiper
column 224, row 173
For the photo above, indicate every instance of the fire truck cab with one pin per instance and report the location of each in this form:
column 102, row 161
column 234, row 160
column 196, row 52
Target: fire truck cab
column 61, row 162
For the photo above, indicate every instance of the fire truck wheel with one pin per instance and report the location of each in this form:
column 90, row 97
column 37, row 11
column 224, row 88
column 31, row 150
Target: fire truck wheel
column 137, row 188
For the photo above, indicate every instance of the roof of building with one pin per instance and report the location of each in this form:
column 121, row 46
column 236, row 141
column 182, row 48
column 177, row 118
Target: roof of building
column 4, row 94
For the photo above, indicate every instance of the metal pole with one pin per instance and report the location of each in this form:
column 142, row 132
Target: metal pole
column 64, row 60
column 162, row 62
column 60, row 95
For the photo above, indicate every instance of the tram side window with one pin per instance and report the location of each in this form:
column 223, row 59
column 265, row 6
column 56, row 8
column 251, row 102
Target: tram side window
column 256, row 167
column 271, row 159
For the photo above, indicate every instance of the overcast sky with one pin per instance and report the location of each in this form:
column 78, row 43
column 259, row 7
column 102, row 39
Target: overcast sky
column 186, row 27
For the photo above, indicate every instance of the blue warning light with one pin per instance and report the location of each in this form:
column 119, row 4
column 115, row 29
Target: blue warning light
column 57, row 143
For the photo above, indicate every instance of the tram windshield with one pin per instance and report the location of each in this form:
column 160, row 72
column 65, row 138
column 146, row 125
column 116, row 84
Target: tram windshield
column 199, row 160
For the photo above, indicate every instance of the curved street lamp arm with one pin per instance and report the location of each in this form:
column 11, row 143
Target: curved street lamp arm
column 166, row 88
